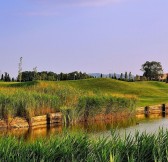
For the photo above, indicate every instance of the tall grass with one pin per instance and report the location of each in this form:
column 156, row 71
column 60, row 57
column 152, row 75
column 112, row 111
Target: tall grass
column 80, row 148
column 39, row 98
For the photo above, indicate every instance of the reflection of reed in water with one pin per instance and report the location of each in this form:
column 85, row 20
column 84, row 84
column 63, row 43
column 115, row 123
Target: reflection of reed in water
column 32, row 133
column 96, row 126
column 43, row 131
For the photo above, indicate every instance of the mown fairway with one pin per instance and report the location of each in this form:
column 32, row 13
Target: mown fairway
column 147, row 92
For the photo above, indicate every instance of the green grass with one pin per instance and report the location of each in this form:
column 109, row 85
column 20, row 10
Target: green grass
column 148, row 92
column 39, row 98
column 80, row 148
column 79, row 98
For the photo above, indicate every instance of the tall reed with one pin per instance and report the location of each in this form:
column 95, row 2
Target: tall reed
column 39, row 98
column 81, row 148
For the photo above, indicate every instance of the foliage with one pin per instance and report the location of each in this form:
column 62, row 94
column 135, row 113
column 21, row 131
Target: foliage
column 92, row 105
column 152, row 70
column 38, row 98
column 51, row 76
column 81, row 148
column 72, row 98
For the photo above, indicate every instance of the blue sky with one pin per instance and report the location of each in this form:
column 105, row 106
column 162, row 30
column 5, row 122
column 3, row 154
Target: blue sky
column 104, row 36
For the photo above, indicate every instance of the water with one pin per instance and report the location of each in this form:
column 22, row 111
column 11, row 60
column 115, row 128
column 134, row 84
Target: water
column 141, row 123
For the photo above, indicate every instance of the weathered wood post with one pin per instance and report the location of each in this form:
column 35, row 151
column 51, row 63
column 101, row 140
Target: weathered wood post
column 146, row 110
column 163, row 110
column 54, row 118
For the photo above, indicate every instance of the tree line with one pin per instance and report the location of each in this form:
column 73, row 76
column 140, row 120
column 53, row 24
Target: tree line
column 45, row 75
column 6, row 77
column 51, row 76
column 151, row 71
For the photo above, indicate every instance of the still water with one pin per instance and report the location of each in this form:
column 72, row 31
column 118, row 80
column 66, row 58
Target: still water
column 141, row 123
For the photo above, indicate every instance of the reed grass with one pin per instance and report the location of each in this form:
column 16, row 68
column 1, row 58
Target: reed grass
column 81, row 148
column 39, row 98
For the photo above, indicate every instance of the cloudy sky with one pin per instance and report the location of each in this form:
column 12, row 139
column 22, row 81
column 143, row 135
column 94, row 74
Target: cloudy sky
column 104, row 36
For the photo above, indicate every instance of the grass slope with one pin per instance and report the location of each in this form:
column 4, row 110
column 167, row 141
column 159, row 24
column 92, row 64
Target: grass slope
column 147, row 92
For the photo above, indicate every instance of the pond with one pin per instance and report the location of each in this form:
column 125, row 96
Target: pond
column 141, row 123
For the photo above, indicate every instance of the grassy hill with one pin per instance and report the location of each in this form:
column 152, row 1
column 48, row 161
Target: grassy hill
column 147, row 92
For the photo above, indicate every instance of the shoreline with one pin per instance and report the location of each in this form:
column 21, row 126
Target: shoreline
column 57, row 118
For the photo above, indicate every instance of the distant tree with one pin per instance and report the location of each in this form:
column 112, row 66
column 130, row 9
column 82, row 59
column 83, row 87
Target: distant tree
column 51, row 76
column 143, row 78
column 43, row 75
column 137, row 78
column 20, row 70
column 13, row 79
column 115, row 76
column 7, row 77
column 101, row 76
column 130, row 76
column 152, row 70
column 126, row 76
column 121, row 76
column 61, row 76
column 110, row 76
column 35, row 73
column 2, row 77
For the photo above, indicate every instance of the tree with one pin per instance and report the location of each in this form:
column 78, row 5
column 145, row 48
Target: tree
column 126, row 76
column 137, row 78
column 115, row 76
column 35, row 73
column 2, row 77
column 121, row 76
column 7, row 77
column 130, row 76
column 20, row 70
column 152, row 70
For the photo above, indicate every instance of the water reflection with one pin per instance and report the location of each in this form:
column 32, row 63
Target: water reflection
column 142, row 122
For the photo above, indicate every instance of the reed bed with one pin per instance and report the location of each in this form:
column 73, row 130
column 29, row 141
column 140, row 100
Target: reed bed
column 39, row 98
column 81, row 148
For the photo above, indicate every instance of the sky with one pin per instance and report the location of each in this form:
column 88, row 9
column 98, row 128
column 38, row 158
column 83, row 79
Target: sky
column 104, row 36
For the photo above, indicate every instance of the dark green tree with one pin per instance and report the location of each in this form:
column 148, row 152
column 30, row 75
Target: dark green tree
column 126, row 76
column 7, row 77
column 121, row 76
column 115, row 76
column 35, row 73
column 152, row 70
